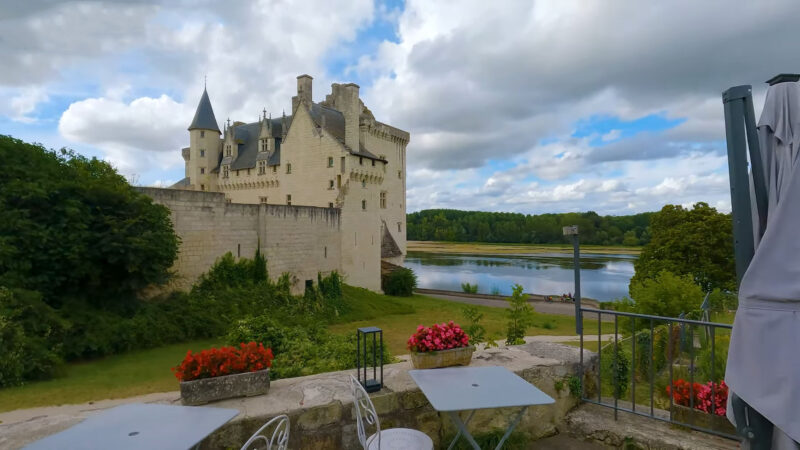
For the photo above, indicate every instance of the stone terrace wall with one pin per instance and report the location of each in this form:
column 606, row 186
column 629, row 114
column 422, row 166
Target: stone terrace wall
column 320, row 407
column 302, row 240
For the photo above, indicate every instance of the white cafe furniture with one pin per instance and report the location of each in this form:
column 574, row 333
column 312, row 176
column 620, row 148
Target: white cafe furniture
column 390, row 439
column 456, row 389
column 140, row 426
column 277, row 440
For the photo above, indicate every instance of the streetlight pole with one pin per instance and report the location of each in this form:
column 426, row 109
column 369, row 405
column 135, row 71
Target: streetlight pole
column 576, row 251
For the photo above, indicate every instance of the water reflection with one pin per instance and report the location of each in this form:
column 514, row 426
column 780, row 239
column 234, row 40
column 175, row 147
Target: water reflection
column 603, row 276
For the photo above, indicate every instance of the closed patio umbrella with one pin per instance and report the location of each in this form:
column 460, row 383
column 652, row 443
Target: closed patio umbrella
column 764, row 355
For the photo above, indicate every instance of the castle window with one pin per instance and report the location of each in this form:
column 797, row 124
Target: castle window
column 274, row 169
column 399, row 174
column 330, row 184
column 225, row 172
column 364, row 205
column 227, row 150
column 202, row 152
column 373, row 163
column 262, row 199
column 330, row 205
column 202, row 187
column 288, row 168
column 262, row 167
column 383, row 199
column 237, row 173
column 398, row 227
column 330, row 161
column 248, row 171
column 363, row 184
column 289, row 199
column 227, row 200
column 360, row 161
column 202, row 170
column 202, row 134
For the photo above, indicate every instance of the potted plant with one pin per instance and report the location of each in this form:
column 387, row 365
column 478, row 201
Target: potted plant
column 692, row 404
column 226, row 372
column 441, row 345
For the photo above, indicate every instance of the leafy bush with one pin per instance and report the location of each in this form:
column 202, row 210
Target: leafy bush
column 574, row 384
column 476, row 331
column 469, row 288
column 72, row 227
column 300, row 349
column 703, row 359
column 723, row 301
column 616, row 369
column 520, row 316
column 666, row 295
column 31, row 336
column 400, row 282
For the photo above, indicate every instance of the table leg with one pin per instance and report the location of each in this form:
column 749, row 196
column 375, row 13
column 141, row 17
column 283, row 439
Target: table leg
column 511, row 427
column 462, row 429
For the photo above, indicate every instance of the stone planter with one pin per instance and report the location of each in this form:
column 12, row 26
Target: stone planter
column 698, row 418
column 248, row 384
column 460, row 356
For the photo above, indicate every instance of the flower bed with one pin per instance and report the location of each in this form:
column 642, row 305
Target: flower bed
column 440, row 345
column 222, row 373
column 700, row 396
column 215, row 362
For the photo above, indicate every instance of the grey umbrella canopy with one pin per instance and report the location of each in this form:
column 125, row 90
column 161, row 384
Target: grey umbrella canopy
column 764, row 355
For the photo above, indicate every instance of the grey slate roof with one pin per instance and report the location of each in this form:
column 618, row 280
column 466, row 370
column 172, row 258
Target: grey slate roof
column 247, row 137
column 181, row 184
column 204, row 116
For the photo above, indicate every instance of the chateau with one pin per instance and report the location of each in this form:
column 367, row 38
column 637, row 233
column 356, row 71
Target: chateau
column 321, row 189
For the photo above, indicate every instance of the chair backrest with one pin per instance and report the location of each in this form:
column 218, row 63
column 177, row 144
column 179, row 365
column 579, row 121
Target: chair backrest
column 365, row 414
column 278, row 440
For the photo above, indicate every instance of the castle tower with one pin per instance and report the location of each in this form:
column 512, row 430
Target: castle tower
column 204, row 147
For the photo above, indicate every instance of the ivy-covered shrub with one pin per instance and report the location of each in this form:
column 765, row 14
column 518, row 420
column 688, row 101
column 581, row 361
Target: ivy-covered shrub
column 615, row 368
column 400, row 282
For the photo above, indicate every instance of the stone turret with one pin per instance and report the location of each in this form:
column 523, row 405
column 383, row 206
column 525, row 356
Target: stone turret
column 266, row 137
column 303, row 92
column 204, row 147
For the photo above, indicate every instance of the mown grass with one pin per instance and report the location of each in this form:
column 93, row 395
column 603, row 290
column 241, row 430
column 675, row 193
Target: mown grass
column 148, row 371
column 118, row 376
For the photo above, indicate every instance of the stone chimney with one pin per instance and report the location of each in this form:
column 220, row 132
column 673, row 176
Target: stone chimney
column 303, row 91
column 350, row 106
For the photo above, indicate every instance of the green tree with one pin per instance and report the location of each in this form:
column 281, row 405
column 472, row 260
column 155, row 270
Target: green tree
column 73, row 227
column 697, row 242
column 520, row 316
column 666, row 295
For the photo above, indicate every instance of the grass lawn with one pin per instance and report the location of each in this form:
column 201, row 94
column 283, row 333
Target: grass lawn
column 118, row 376
column 148, row 371
column 511, row 249
column 400, row 316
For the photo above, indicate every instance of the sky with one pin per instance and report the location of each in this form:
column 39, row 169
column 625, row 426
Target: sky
column 524, row 106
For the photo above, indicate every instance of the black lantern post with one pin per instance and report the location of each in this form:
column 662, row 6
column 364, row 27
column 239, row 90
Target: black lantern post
column 366, row 357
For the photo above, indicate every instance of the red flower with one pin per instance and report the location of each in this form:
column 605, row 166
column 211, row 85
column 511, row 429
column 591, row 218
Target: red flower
column 702, row 396
column 437, row 337
column 248, row 357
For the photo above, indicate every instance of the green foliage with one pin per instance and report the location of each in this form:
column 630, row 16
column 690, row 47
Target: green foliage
column 616, row 369
column 477, row 226
column 548, row 325
column 697, row 242
column 574, row 384
column 703, row 359
column 228, row 272
column 520, row 316
column 400, row 282
column 495, row 290
column 469, row 288
column 558, row 385
column 490, row 439
column 665, row 294
column 476, row 331
column 301, row 348
column 722, row 301
column 31, row 335
column 72, row 227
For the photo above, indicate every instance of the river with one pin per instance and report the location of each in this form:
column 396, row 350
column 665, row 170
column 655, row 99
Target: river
column 604, row 277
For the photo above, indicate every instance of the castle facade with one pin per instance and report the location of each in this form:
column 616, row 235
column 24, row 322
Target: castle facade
column 332, row 155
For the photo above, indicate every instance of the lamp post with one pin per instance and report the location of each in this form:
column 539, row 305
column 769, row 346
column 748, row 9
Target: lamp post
column 573, row 231
column 364, row 354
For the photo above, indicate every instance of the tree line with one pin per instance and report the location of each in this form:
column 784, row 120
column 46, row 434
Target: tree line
column 478, row 226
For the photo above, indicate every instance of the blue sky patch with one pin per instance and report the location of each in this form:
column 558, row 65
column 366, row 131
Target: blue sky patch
column 608, row 129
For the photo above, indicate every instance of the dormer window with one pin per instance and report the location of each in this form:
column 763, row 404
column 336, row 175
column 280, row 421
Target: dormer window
column 262, row 167
column 225, row 172
column 227, row 150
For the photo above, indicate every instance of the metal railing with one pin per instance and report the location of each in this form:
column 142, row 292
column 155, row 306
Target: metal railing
column 643, row 326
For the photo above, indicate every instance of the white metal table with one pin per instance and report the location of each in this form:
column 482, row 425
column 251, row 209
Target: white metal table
column 140, row 426
column 458, row 389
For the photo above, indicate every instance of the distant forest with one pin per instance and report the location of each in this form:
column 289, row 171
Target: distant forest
column 477, row 226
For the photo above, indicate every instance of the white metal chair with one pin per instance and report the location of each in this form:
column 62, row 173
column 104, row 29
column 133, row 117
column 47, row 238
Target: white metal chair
column 278, row 440
column 390, row 439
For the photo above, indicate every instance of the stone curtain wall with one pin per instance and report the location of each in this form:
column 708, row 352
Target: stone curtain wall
column 302, row 240
column 322, row 416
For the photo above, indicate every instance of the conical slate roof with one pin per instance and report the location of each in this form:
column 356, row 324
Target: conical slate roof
column 204, row 117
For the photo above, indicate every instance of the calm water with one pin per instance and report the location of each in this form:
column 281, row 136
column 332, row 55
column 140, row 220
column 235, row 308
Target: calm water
column 603, row 277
